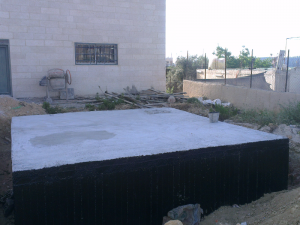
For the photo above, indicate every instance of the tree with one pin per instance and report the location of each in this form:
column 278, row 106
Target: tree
column 231, row 61
column 245, row 58
column 266, row 63
column 184, row 69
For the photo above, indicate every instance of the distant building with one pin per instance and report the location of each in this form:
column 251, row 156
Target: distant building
column 169, row 62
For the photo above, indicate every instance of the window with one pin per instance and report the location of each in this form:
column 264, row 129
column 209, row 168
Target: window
column 96, row 54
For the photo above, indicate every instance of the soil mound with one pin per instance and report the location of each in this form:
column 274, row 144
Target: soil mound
column 10, row 107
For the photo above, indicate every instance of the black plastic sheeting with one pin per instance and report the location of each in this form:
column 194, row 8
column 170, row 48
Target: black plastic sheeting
column 141, row 190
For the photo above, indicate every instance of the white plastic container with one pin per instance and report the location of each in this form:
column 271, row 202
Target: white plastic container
column 213, row 117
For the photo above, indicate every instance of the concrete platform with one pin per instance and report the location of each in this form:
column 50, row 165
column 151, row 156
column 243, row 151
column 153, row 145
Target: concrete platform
column 53, row 140
column 107, row 167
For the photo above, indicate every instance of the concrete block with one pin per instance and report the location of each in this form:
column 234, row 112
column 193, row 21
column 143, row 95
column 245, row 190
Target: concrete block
column 6, row 35
column 9, row 8
column 35, row 42
column 50, row 11
column 48, row 23
column 31, row 8
column 63, row 94
column 24, row 36
column 52, row 30
column 40, row 30
column 67, row 150
column 20, row 29
column 17, row 42
column 54, row 43
column 42, row 36
column 19, row 15
column 3, row 28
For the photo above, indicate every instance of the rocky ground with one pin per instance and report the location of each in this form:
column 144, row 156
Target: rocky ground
column 276, row 208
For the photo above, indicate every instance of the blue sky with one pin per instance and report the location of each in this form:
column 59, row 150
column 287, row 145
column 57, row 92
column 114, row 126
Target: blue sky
column 262, row 25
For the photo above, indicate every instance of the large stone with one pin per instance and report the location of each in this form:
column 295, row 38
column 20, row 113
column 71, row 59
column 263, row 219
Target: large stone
column 171, row 99
column 292, row 132
column 174, row 222
column 189, row 214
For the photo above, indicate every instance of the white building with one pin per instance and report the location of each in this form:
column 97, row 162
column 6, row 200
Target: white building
column 107, row 43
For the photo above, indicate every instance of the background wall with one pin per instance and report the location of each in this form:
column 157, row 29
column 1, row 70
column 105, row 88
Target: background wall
column 42, row 36
column 240, row 97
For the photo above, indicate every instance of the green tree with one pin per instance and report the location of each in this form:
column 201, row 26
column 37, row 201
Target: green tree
column 245, row 58
column 231, row 61
column 185, row 69
column 266, row 63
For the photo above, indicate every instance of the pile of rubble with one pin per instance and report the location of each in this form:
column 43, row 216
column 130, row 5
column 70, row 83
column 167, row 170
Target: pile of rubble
column 142, row 99
column 213, row 102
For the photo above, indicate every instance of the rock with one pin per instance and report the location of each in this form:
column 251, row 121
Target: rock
column 189, row 214
column 290, row 132
column 266, row 129
column 227, row 104
column 207, row 102
column 244, row 223
column 217, row 102
column 200, row 99
column 171, row 99
column 174, row 222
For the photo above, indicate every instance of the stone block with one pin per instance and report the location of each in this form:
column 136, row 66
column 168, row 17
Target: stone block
column 35, row 42
column 40, row 30
column 63, row 94
column 50, row 11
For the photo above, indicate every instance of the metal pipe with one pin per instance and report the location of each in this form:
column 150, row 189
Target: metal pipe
column 287, row 70
column 225, row 66
column 251, row 69
column 205, row 67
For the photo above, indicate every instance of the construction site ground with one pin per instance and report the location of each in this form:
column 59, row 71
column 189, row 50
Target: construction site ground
column 282, row 208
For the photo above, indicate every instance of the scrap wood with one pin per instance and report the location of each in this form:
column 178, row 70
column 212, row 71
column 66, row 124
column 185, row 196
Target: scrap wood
column 143, row 99
column 132, row 103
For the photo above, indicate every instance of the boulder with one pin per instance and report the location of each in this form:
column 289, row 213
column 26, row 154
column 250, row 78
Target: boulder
column 174, row 222
column 171, row 99
column 188, row 214
column 217, row 102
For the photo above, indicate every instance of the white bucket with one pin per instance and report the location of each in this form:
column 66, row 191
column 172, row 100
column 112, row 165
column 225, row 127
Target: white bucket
column 213, row 117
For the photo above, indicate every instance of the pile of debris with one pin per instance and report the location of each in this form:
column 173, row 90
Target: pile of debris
column 213, row 102
column 142, row 99
column 10, row 107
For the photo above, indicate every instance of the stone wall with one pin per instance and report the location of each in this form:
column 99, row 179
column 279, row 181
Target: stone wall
column 42, row 36
column 240, row 97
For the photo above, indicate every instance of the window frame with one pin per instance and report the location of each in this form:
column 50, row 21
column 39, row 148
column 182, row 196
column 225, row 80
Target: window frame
column 94, row 56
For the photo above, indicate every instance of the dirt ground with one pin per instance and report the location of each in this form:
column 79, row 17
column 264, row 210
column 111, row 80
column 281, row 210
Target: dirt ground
column 282, row 208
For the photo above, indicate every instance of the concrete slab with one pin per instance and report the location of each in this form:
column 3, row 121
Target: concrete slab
column 45, row 141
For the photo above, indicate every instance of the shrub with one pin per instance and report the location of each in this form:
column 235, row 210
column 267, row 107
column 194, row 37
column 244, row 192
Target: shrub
column 90, row 107
column 290, row 114
column 225, row 112
column 192, row 100
column 51, row 110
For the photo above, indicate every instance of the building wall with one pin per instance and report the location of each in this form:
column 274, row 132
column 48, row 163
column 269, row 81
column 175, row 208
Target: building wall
column 241, row 97
column 42, row 36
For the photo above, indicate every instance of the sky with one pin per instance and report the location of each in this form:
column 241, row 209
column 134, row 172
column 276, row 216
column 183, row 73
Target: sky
column 199, row 26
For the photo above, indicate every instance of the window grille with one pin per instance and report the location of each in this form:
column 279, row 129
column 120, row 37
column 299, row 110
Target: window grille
column 96, row 54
